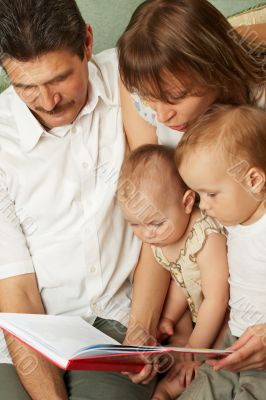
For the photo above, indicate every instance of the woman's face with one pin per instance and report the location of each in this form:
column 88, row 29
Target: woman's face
column 184, row 108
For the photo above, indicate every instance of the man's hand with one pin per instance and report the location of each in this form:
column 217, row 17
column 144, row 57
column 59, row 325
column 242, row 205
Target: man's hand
column 187, row 372
column 45, row 380
column 185, row 369
column 147, row 373
column 249, row 352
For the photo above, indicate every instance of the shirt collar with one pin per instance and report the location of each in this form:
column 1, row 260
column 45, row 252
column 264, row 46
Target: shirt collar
column 30, row 129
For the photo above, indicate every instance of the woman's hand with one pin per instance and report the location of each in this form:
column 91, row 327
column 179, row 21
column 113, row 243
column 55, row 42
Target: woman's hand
column 249, row 352
column 141, row 338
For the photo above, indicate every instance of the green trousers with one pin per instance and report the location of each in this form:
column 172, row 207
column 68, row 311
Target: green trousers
column 226, row 385
column 84, row 385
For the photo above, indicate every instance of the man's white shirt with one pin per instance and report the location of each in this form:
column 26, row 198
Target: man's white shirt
column 58, row 214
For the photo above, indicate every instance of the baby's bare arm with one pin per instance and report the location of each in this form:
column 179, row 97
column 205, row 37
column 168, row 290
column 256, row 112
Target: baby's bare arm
column 175, row 321
column 175, row 304
column 213, row 265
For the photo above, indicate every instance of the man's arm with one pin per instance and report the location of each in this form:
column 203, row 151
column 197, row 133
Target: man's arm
column 42, row 380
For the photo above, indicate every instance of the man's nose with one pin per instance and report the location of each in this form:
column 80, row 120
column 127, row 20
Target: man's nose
column 164, row 113
column 48, row 100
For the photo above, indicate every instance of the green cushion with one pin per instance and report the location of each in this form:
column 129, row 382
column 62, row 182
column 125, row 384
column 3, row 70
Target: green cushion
column 110, row 17
column 232, row 7
column 3, row 81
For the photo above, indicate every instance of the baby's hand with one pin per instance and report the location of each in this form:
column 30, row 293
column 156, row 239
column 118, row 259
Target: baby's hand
column 165, row 329
column 187, row 372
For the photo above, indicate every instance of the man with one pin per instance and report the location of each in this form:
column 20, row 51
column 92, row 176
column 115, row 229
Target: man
column 64, row 246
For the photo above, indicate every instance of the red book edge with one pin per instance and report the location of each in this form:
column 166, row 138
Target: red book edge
column 86, row 364
column 95, row 364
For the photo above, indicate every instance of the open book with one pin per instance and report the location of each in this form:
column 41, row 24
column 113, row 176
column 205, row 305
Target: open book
column 73, row 344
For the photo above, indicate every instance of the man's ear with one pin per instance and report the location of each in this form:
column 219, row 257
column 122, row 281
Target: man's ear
column 188, row 201
column 88, row 42
column 255, row 180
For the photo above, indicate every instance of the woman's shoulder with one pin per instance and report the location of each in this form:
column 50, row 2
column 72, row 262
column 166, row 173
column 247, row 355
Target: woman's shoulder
column 144, row 109
column 165, row 135
column 258, row 96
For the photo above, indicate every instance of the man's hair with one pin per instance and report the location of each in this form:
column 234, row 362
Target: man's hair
column 30, row 28
column 236, row 134
column 189, row 40
column 151, row 167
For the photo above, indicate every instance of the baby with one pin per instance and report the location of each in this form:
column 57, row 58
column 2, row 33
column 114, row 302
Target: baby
column 160, row 208
column 223, row 158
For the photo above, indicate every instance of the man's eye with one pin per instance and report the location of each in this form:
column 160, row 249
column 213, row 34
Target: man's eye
column 29, row 93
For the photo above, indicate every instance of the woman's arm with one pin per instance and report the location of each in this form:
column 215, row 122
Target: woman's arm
column 213, row 265
column 249, row 352
column 150, row 286
column 137, row 130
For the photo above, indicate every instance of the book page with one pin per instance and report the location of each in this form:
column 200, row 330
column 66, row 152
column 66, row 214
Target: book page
column 54, row 336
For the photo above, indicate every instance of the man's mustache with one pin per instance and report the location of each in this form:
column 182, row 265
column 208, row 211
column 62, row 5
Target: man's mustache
column 58, row 108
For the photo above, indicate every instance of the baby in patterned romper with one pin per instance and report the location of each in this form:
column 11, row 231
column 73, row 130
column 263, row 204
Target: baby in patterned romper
column 161, row 210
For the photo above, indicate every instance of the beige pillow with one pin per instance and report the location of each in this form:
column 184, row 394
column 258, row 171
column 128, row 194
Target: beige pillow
column 250, row 17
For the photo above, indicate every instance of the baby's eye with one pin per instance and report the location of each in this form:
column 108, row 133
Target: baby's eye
column 211, row 194
column 157, row 225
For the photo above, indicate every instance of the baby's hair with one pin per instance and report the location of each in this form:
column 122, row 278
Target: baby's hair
column 194, row 43
column 236, row 134
column 152, row 165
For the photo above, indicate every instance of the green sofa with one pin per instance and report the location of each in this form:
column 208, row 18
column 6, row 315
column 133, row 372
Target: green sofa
column 109, row 18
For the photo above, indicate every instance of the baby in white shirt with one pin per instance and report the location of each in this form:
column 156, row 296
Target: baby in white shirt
column 223, row 158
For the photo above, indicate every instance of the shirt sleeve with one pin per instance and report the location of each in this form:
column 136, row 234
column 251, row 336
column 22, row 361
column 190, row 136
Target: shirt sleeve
column 144, row 110
column 15, row 258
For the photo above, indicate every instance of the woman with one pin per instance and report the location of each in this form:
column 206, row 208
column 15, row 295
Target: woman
column 176, row 59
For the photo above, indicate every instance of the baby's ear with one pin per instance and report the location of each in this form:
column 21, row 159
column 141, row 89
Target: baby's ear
column 255, row 181
column 188, row 201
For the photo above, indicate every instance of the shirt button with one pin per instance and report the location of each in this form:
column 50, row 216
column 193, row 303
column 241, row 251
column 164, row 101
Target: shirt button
column 93, row 269
column 85, row 165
